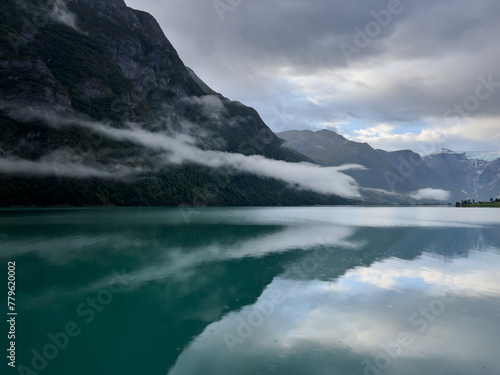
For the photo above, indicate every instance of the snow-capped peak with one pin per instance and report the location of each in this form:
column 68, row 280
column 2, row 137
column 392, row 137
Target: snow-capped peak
column 483, row 155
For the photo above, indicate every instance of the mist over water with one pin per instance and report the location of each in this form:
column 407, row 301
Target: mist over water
column 179, row 149
column 326, row 290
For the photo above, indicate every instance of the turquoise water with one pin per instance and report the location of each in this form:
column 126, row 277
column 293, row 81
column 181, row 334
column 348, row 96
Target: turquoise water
column 323, row 290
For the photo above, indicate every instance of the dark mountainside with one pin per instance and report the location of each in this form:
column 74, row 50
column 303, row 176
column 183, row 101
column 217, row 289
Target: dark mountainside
column 87, row 86
column 411, row 165
column 67, row 68
column 331, row 149
column 477, row 179
column 489, row 180
column 402, row 171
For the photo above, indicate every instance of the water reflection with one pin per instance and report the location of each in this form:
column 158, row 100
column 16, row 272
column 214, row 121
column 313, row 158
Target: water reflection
column 390, row 317
column 295, row 290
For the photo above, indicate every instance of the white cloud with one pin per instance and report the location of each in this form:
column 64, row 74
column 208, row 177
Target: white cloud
column 182, row 149
column 59, row 12
column 425, row 61
column 359, row 312
column 60, row 164
column 384, row 136
column 431, row 194
column 381, row 130
column 210, row 105
column 467, row 134
column 473, row 276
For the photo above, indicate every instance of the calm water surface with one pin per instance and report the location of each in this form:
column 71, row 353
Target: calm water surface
column 326, row 290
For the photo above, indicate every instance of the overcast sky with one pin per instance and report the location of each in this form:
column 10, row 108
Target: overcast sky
column 420, row 74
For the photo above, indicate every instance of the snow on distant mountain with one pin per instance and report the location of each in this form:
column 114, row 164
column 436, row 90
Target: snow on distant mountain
column 471, row 155
column 460, row 174
column 478, row 176
column 483, row 155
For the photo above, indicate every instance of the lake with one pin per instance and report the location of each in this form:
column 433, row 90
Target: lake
column 316, row 290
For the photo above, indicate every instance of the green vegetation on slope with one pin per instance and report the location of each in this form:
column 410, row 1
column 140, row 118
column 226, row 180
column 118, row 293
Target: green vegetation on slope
column 46, row 64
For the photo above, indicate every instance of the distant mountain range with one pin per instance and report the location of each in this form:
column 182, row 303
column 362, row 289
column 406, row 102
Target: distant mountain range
column 401, row 175
column 482, row 155
column 475, row 178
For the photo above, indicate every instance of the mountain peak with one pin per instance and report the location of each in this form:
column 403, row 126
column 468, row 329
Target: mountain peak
column 86, row 88
column 446, row 151
column 99, row 3
column 483, row 155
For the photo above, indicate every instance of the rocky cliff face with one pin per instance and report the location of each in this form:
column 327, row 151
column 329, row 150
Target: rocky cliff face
column 476, row 179
column 41, row 66
column 109, row 62
column 411, row 165
column 28, row 82
column 402, row 171
column 67, row 67
column 489, row 180
column 139, row 47
column 331, row 149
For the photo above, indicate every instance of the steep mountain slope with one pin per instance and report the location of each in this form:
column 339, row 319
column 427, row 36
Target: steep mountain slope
column 411, row 165
column 457, row 170
column 329, row 148
column 483, row 155
column 116, row 64
column 75, row 74
column 477, row 179
column 489, row 181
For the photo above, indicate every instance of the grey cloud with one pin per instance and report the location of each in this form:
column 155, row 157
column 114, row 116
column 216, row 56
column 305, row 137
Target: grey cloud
column 302, row 33
column 270, row 31
column 442, row 47
column 59, row 12
column 431, row 194
column 427, row 194
column 63, row 164
column 182, row 149
column 210, row 105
